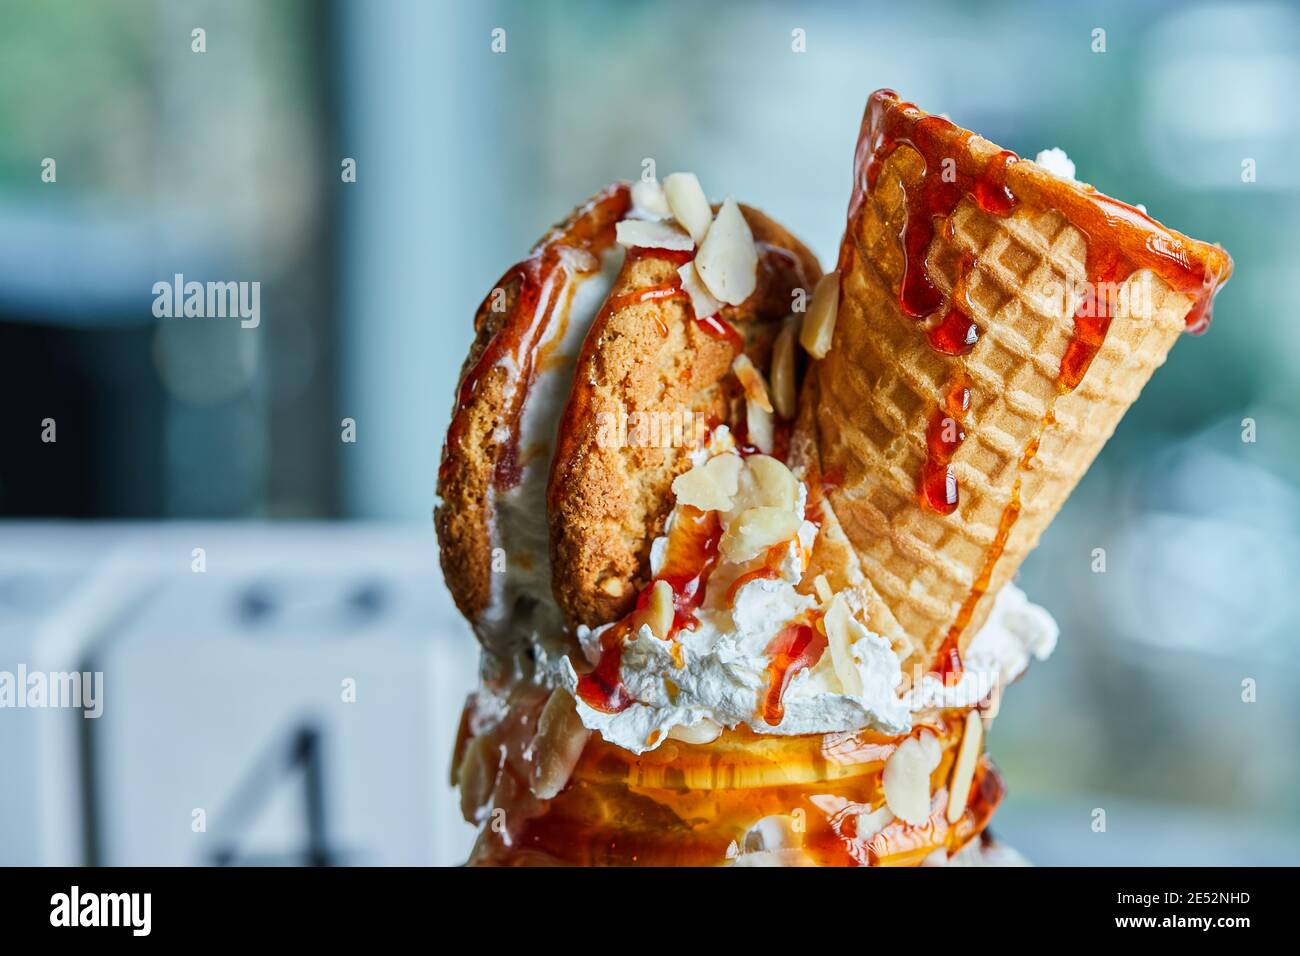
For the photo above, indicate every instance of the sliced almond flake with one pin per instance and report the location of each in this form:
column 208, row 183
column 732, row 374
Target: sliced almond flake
column 761, row 427
column 646, row 234
column 839, row 638
column 906, row 779
column 728, row 259
column 771, row 482
column 557, row 746
column 752, row 381
column 711, row 486
column 963, row 771
column 690, row 207
column 703, row 304
column 784, row 387
column 756, row 530
column 658, row 612
column 704, row 731
column 819, row 324
column 823, row 588
column 649, row 201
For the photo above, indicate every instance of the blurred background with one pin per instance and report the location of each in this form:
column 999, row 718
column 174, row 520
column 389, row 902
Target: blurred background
column 203, row 532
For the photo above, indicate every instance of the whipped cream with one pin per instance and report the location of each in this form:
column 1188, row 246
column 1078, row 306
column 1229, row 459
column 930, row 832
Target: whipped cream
column 1056, row 162
column 719, row 672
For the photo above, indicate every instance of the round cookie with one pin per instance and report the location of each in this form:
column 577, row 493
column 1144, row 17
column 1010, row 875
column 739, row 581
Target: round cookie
column 481, row 458
column 650, row 380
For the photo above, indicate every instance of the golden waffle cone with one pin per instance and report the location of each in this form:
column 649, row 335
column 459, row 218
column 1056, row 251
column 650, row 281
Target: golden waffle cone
column 1029, row 437
column 694, row 804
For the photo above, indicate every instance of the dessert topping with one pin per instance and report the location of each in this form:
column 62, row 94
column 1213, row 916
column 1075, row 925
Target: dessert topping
column 751, row 380
column 906, row 779
column 555, row 750
column 963, row 771
column 798, row 646
column 840, row 635
column 538, row 285
column 819, row 324
column 650, row 234
column 710, row 486
column 728, row 259
column 784, row 390
column 703, row 304
column 688, row 204
column 649, row 200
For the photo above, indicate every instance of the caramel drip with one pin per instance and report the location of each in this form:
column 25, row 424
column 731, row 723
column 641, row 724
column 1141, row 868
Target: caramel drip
column 690, row 804
column 799, row 645
column 769, row 570
column 689, row 560
column 540, row 283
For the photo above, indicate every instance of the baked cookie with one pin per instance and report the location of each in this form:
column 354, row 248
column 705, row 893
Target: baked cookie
column 496, row 457
column 652, row 379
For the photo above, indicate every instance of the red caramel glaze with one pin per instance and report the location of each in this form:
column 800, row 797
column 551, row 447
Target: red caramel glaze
column 769, row 570
column 980, row 586
column 943, row 437
column 956, row 333
column 1120, row 240
column 948, row 663
column 942, row 185
column 651, row 293
column 678, row 257
column 944, row 181
column 541, row 281
column 690, row 557
column 602, row 687
column 671, row 289
column 799, row 645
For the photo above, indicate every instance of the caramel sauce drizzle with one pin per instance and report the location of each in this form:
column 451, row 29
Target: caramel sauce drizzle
column 689, row 560
column 769, row 570
column 799, row 645
column 943, row 437
column 542, row 281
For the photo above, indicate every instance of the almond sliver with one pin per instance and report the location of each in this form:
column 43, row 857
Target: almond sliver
column 690, row 207
column 773, row 483
column 751, row 380
column 649, row 201
column 906, row 780
column 761, row 428
column 784, row 387
column 819, row 324
column 728, row 259
column 645, row 234
column 557, row 746
column 658, row 612
column 963, row 771
column 703, row 303
column 756, row 530
column 839, row 638
column 711, row 486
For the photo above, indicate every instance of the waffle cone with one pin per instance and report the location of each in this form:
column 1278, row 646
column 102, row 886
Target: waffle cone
column 1030, row 430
